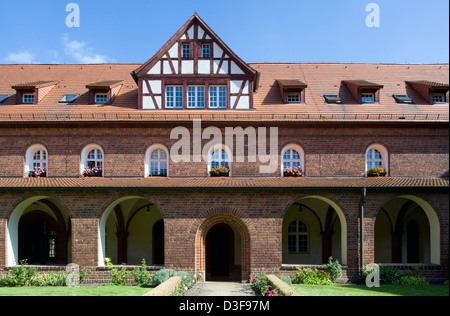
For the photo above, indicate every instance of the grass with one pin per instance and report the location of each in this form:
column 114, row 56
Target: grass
column 362, row 290
column 106, row 290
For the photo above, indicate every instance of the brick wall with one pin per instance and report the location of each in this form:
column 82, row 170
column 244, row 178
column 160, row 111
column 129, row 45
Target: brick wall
column 329, row 150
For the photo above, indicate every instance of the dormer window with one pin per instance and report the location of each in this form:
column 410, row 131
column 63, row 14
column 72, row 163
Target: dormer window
column 364, row 91
column 438, row 98
column 69, row 98
column 292, row 90
column 293, row 98
column 101, row 98
column 28, row 98
column 367, row 98
column 104, row 92
column 432, row 92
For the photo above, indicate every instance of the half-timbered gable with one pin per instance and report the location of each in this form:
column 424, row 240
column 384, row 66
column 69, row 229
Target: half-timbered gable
column 195, row 69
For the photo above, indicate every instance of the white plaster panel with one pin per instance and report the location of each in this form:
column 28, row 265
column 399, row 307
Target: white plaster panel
column 235, row 86
column 217, row 51
column 235, row 69
column 156, row 70
column 190, row 32
column 187, row 67
column 204, row 67
column 173, row 52
column 155, row 85
column 144, row 87
column 147, row 103
column 166, row 68
column 201, row 32
column 244, row 103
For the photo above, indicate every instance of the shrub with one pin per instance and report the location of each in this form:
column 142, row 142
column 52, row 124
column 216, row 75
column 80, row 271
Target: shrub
column 334, row 269
column 21, row 275
column 120, row 277
column 412, row 280
column 312, row 276
column 141, row 276
column 162, row 276
column 51, row 279
column 261, row 285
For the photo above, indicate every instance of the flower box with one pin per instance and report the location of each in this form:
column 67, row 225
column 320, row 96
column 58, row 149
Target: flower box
column 37, row 173
column 376, row 172
column 293, row 172
column 93, row 172
column 222, row 171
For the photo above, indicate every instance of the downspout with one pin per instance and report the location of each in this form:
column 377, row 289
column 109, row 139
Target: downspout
column 361, row 230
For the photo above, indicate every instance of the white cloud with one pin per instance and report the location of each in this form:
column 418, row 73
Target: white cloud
column 21, row 57
column 81, row 53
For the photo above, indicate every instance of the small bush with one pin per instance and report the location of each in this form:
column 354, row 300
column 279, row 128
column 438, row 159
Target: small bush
column 411, row 280
column 141, row 276
column 162, row 276
column 334, row 269
column 21, row 275
column 312, row 276
column 120, row 277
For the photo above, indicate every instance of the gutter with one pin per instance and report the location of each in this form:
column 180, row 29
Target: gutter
column 361, row 229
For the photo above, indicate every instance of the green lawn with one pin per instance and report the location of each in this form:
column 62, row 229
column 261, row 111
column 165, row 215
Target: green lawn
column 107, row 290
column 362, row 290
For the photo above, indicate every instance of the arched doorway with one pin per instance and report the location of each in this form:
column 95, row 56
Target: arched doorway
column 220, row 253
column 131, row 229
column 39, row 232
column 407, row 230
column 314, row 229
column 222, row 248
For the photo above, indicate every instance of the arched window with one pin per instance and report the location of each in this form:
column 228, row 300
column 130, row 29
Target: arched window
column 376, row 156
column 36, row 161
column 157, row 161
column 292, row 156
column 92, row 161
column 298, row 237
column 219, row 156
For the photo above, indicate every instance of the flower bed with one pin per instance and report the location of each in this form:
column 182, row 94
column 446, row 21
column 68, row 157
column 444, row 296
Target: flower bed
column 376, row 172
column 293, row 172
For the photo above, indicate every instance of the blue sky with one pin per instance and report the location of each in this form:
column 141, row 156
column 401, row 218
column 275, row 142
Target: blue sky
column 414, row 31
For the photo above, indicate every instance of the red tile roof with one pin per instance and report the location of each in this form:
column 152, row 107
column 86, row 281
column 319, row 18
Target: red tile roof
column 220, row 183
column 268, row 106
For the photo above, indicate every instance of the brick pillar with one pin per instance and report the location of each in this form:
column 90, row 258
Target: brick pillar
column 85, row 241
column 3, row 232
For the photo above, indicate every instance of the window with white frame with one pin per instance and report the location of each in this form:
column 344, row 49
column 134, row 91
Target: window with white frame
column 92, row 160
column 158, row 162
column 218, row 97
column 293, row 98
column 36, row 158
column 206, row 51
column 376, row 156
column 28, row 98
column 101, row 98
column 367, row 97
column 174, row 97
column 219, row 155
column 292, row 156
column 196, row 96
column 438, row 98
column 186, row 50
column 298, row 237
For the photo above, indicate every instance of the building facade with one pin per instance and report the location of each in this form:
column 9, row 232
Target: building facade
column 199, row 161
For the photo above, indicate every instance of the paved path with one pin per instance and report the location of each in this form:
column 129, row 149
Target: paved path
column 221, row 289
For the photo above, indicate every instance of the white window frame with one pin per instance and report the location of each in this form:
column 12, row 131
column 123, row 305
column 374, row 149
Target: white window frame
column 97, row 161
column 297, row 233
column 216, row 100
column 367, row 97
column 149, row 160
column 208, row 55
column 299, row 150
column 374, row 162
column 30, row 161
column 101, row 98
column 183, row 51
column 194, row 99
column 438, row 95
column 294, row 98
column 28, row 98
column 174, row 100
column 227, row 151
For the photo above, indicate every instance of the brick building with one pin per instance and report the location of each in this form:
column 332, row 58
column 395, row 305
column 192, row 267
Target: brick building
column 121, row 156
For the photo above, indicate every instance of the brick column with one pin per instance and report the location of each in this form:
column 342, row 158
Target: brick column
column 85, row 241
column 3, row 232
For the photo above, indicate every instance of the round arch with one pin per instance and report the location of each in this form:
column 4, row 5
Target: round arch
column 202, row 232
column 341, row 216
